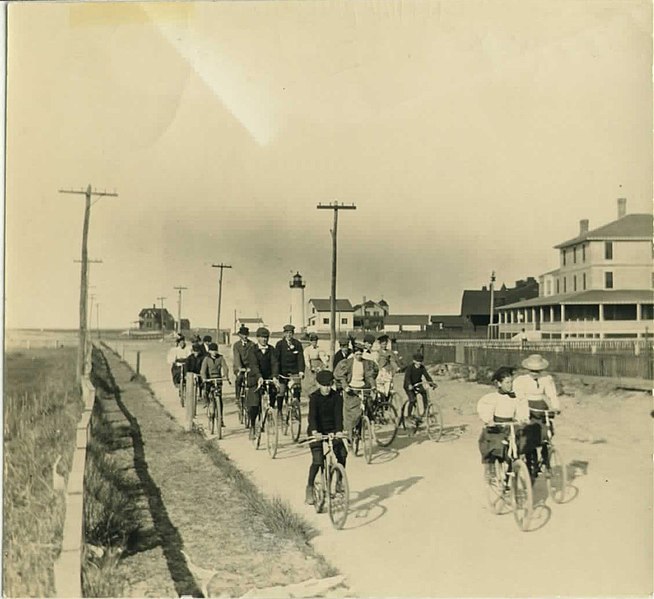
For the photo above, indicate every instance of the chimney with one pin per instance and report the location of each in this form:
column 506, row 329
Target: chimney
column 583, row 226
column 483, row 288
column 364, row 301
column 154, row 306
column 622, row 207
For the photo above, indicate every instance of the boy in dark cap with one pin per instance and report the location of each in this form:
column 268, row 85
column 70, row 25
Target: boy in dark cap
column 342, row 353
column 241, row 349
column 325, row 416
column 291, row 357
column 413, row 375
column 214, row 366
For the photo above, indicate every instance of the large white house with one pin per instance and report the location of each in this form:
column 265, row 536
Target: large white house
column 603, row 287
column 319, row 314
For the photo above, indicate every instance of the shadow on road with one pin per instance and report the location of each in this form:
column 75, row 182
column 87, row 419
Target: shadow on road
column 367, row 506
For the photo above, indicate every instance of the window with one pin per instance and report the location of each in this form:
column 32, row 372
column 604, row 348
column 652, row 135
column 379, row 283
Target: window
column 557, row 287
column 608, row 280
column 574, row 283
column 565, row 285
column 313, row 310
column 325, row 320
column 563, row 254
column 647, row 311
column 608, row 250
column 583, row 253
column 584, row 281
column 343, row 320
column 574, row 255
column 548, row 286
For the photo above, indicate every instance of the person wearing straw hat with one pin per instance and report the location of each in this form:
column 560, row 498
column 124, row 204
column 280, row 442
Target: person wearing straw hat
column 538, row 389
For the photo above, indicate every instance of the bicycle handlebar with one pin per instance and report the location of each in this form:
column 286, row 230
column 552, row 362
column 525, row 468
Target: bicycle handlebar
column 326, row 437
column 550, row 412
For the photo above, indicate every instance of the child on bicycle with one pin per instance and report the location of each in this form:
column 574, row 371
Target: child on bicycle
column 413, row 375
column 501, row 405
column 325, row 416
column 214, row 366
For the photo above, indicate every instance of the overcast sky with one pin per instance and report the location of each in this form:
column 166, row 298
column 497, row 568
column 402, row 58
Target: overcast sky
column 471, row 135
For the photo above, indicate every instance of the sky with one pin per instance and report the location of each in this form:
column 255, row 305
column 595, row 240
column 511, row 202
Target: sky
column 471, row 135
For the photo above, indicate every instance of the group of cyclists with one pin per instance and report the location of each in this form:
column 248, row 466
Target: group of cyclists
column 333, row 386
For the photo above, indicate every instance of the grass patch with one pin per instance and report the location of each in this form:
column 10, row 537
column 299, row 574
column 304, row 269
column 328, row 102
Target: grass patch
column 42, row 405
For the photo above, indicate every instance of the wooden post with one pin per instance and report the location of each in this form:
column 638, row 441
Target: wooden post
column 189, row 401
column 138, row 362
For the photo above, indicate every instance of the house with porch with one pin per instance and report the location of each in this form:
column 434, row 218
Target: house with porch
column 369, row 315
column 319, row 316
column 602, row 289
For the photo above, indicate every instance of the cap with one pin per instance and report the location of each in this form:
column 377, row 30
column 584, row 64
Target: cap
column 263, row 332
column 369, row 338
column 206, row 339
column 383, row 338
column 196, row 347
column 288, row 327
column 418, row 357
column 358, row 346
column 313, row 337
column 343, row 342
column 325, row 377
column 213, row 347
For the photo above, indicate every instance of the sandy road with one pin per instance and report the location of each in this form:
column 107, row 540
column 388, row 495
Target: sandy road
column 419, row 524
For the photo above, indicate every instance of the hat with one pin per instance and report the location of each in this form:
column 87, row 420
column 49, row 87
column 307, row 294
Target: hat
column 196, row 347
column 369, row 338
column 213, row 347
column 206, row 339
column 418, row 357
column 535, row 362
column 288, row 327
column 325, row 377
column 243, row 330
column 313, row 336
column 343, row 342
column 263, row 332
column 358, row 346
column 501, row 373
column 383, row 338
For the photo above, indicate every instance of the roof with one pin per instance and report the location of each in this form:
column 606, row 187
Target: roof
column 448, row 319
column 152, row 312
column 250, row 319
column 629, row 227
column 477, row 301
column 407, row 319
column 592, row 296
column 324, row 305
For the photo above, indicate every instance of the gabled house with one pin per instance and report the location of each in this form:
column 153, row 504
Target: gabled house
column 369, row 315
column 151, row 319
column 319, row 315
column 252, row 323
column 603, row 287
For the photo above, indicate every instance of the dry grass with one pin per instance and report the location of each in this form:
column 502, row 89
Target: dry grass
column 41, row 408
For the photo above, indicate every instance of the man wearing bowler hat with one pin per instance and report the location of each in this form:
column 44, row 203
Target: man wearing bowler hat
column 241, row 359
column 291, row 358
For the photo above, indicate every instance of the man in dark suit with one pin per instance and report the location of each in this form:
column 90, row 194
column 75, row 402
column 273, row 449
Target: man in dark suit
column 241, row 350
column 291, row 358
column 342, row 353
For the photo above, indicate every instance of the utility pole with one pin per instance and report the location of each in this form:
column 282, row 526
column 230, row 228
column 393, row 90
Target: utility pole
column 88, row 193
column 179, row 308
column 97, row 318
column 492, row 305
column 335, row 206
column 221, row 266
column 163, row 326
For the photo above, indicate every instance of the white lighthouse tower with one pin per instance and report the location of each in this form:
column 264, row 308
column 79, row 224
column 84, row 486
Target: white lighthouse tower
column 297, row 302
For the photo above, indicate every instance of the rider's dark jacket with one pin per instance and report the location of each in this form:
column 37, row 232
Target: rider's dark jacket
column 291, row 356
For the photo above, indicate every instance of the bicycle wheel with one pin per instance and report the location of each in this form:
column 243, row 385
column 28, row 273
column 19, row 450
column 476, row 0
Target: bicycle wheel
column 182, row 391
column 319, row 495
column 434, row 422
column 239, row 409
column 356, row 438
column 522, row 495
column 286, row 415
column 339, row 496
column 296, row 419
column 272, row 432
column 499, row 494
column 219, row 416
column 557, row 477
column 366, row 438
column 384, row 423
column 211, row 412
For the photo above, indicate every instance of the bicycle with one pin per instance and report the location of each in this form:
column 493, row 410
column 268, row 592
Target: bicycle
column 383, row 417
column 362, row 431
column 181, row 388
column 555, row 471
column 243, row 416
column 509, row 486
column 291, row 411
column 213, row 388
column 430, row 415
column 267, row 422
column 331, row 486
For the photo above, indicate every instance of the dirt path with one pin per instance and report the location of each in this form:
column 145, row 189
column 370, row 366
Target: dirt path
column 420, row 526
column 205, row 537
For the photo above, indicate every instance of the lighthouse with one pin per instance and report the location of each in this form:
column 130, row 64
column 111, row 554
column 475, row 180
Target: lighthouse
column 297, row 302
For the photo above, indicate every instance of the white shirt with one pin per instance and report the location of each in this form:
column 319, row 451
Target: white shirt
column 177, row 353
column 357, row 374
column 503, row 406
column 542, row 388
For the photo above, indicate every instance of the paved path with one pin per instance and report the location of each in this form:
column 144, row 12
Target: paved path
column 419, row 525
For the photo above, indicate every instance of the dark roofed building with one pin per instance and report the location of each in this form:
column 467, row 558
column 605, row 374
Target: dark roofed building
column 150, row 319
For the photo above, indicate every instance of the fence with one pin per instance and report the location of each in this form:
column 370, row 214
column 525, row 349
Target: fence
column 68, row 567
column 573, row 359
